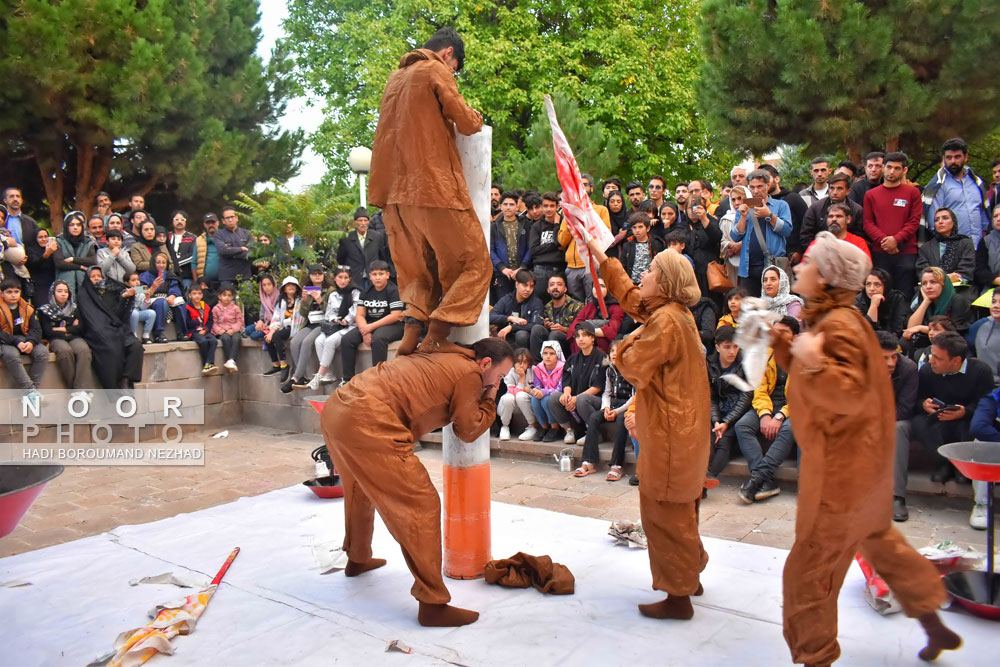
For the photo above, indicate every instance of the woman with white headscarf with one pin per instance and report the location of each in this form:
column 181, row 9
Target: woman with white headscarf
column 731, row 249
column 842, row 409
column 776, row 290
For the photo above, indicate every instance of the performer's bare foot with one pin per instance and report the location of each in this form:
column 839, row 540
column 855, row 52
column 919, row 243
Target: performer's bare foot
column 939, row 637
column 411, row 336
column 436, row 339
column 675, row 606
column 445, row 616
column 354, row 569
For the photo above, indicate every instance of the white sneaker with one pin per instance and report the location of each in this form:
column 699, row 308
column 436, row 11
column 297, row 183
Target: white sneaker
column 327, row 378
column 505, row 433
column 570, row 438
column 231, row 366
column 582, row 439
column 528, row 434
column 978, row 517
column 314, row 383
column 85, row 395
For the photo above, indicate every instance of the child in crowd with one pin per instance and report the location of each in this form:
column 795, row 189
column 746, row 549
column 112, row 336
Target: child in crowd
column 20, row 333
column 547, row 377
column 303, row 343
column 269, row 295
column 618, row 395
column 379, row 318
column 341, row 311
column 520, row 381
column 677, row 240
column 227, row 325
column 164, row 297
column 284, row 323
column 198, row 318
column 734, row 301
column 142, row 314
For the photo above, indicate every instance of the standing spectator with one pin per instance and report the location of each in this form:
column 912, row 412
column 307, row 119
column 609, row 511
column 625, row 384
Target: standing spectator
column 104, row 308
column 315, row 293
column 892, row 216
column 136, row 203
column 138, row 217
column 75, row 253
column 764, row 228
column 633, row 190
column 20, row 333
column 951, row 385
column 618, row 395
column 729, row 404
column 819, row 169
column 729, row 249
column 579, row 281
column 227, row 326
column 949, row 250
column 519, row 381
column 114, row 221
column 905, row 383
column 141, row 313
column 102, row 203
column 557, row 317
column 582, row 381
column 838, row 221
column 379, row 319
column 987, row 256
column 605, row 330
column 361, row 247
column 289, row 241
column 165, row 298
column 113, row 259
column 519, row 312
column 198, row 323
column 509, row 250
column 233, row 244
column 873, row 177
column 885, row 308
column 61, row 328
column 815, row 220
column 20, row 225
column 639, row 248
column 495, row 193
column 617, row 212
column 796, row 207
column 341, row 313
column 547, row 255
column 183, row 249
column 737, row 178
column 207, row 252
column 547, row 375
column 42, row 265
column 707, row 237
column 95, row 228
column 657, row 190
column 957, row 187
column 985, row 427
column 145, row 246
column 284, row 324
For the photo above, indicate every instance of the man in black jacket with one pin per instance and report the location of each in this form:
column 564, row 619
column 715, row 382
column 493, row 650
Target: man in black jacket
column 815, row 219
column 517, row 313
column 796, row 205
column 362, row 247
column 182, row 247
column 508, row 246
column 728, row 402
column 874, row 162
column 905, row 382
column 547, row 256
column 233, row 243
column 21, row 226
column 639, row 248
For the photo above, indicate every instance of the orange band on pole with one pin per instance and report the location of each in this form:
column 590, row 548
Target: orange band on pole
column 466, row 520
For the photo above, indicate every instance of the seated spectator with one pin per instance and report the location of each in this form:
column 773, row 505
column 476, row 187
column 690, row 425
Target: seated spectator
column 986, row 428
column 227, row 325
column 987, row 255
column 729, row 404
column 141, row 313
column 519, row 381
column 103, row 308
column 633, row 480
column 937, row 298
column 509, row 249
column 935, row 327
column 582, row 382
column 41, row 264
column 75, row 253
column 208, row 291
column 547, row 376
column 706, row 318
column 20, row 333
column 557, row 317
column 951, row 386
column 313, row 310
column 951, row 251
column 734, row 301
column 605, row 330
column 903, row 373
column 884, row 307
column 341, row 314
column 61, row 328
column 379, row 318
column 269, row 295
column 988, row 337
column 165, row 298
column 114, row 221
column 113, row 259
column 768, row 418
column 285, row 323
column 95, row 228
column 161, row 235
column 678, row 240
column 618, row 395
column 547, row 255
column 776, row 290
column 516, row 314
column 639, row 248
column 145, row 247
column 198, row 323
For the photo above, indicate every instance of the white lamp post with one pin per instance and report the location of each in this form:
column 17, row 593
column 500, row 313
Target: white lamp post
column 360, row 161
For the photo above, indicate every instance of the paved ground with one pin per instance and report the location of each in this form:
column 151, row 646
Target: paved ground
column 252, row 460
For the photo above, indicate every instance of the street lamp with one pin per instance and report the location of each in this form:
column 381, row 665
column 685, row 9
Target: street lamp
column 360, row 161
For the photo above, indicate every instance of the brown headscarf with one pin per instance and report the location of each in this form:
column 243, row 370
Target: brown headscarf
column 675, row 278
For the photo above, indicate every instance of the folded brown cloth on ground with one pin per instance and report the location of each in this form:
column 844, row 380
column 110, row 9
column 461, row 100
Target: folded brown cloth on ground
column 522, row 570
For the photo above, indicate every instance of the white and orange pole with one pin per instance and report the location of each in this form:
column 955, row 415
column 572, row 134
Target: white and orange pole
column 467, row 464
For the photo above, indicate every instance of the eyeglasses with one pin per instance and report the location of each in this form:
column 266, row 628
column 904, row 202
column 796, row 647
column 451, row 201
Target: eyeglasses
column 343, row 267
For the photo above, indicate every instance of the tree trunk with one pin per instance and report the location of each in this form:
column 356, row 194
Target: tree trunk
column 50, row 167
column 93, row 167
column 892, row 144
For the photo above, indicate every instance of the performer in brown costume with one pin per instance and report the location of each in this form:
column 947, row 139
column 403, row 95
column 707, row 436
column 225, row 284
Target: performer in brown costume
column 435, row 238
column 370, row 425
column 842, row 412
column 665, row 362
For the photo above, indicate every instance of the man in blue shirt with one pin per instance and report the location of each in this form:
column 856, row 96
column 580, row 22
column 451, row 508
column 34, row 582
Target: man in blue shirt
column 20, row 225
column 772, row 222
column 957, row 187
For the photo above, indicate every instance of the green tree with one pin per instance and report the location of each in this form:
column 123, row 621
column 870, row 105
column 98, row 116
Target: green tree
column 630, row 65
column 848, row 74
column 126, row 96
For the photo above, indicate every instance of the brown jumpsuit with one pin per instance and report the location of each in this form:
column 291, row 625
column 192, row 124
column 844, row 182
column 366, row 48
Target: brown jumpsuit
column 435, row 238
column 370, row 425
column 665, row 362
column 843, row 419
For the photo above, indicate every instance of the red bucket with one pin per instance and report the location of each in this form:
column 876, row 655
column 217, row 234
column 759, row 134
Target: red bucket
column 326, row 487
column 19, row 486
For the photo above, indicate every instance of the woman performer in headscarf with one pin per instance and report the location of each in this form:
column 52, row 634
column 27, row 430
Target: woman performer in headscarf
column 842, row 414
column 663, row 354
